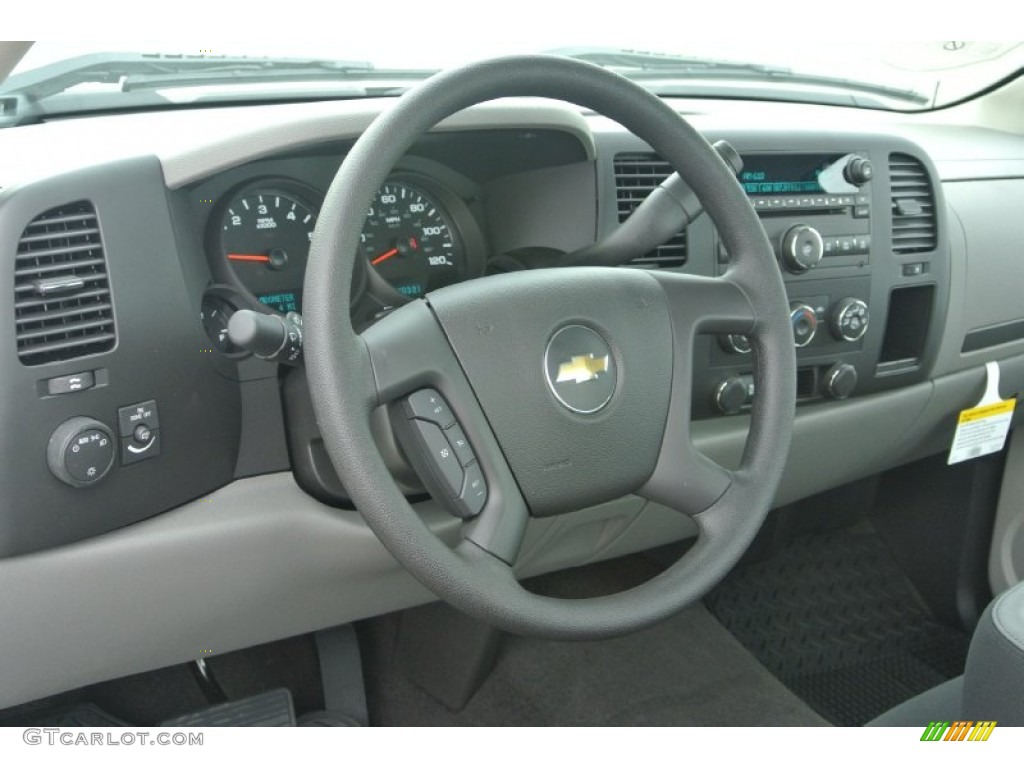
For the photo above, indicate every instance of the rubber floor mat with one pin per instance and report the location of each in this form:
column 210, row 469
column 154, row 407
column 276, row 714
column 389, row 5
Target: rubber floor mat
column 71, row 716
column 836, row 620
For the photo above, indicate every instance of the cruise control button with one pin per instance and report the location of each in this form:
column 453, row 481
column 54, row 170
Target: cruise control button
column 474, row 492
column 463, row 451
column 427, row 404
column 443, row 461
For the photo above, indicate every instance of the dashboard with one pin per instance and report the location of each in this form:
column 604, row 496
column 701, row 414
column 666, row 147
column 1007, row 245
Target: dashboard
column 143, row 450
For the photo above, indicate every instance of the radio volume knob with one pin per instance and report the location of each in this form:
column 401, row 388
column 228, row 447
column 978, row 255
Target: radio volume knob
column 849, row 319
column 802, row 248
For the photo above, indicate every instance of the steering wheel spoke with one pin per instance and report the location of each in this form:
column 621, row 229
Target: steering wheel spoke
column 685, row 479
column 442, row 429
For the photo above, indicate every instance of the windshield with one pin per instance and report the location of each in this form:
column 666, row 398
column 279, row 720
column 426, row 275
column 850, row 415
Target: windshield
column 55, row 79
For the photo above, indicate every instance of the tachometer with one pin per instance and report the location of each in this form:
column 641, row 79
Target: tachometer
column 410, row 240
column 265, row 234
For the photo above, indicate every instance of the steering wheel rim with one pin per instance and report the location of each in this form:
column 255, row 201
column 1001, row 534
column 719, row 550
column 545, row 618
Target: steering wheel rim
column 428, row 343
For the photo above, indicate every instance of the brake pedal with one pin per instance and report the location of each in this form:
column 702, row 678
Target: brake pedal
column 264, row 710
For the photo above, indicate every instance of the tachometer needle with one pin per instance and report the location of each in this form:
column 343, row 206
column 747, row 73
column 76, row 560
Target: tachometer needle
column 248, row 257
column 384, row 256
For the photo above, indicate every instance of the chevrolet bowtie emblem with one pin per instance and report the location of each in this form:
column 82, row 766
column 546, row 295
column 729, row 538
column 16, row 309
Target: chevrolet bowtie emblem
column 582, row 368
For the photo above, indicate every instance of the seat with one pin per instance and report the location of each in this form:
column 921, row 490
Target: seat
column 992, row 686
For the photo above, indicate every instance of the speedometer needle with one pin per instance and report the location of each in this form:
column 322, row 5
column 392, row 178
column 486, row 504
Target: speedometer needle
column 384, row 256
column 248, row 257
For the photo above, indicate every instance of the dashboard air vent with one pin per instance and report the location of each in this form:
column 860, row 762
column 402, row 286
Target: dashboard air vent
column 62, row 305
column 913, row 206
column 635, row 176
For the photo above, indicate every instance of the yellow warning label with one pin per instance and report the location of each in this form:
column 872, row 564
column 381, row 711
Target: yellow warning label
column 987, row 411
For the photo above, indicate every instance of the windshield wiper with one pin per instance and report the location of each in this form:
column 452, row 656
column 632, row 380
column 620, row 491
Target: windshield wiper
column 134, row 71
column 645, row 65
column 21, row 95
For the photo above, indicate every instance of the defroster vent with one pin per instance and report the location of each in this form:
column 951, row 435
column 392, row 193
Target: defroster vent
column 635, row 176
column 913, row 206
column 62, row 304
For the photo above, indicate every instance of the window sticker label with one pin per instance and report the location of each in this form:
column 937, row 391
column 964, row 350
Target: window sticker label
column 982, row 430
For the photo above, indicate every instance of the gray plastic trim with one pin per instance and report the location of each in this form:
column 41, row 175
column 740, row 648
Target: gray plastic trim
column 260, row 560
column 986, row 269
column 193, row 144
column 1006, row 559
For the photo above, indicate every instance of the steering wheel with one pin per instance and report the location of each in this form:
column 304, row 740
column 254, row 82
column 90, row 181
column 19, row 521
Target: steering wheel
column 572, row 385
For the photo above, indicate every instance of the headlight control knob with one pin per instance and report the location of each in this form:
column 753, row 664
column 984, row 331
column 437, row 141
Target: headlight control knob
column 81, row 451
column 801, row 248
column 849, row 319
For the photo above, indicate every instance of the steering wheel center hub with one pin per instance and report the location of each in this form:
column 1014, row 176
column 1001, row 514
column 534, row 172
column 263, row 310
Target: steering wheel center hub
column 580, row 369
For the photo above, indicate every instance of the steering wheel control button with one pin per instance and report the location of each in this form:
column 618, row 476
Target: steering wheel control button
column 474, row 493
column 75, row 382
column 131, row 416
column 580, row 369
column 849, row 319
column 81, row 451
column 428, row 405
column 441, row 456
column 463, row 450
column 804, row 322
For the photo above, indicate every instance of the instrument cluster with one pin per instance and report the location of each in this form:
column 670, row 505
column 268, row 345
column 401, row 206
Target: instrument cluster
column 418, row 235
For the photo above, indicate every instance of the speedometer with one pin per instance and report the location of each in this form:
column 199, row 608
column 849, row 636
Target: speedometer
column 410, row 240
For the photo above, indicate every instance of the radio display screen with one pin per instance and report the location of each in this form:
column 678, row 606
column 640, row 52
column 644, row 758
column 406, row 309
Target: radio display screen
column 785, row 174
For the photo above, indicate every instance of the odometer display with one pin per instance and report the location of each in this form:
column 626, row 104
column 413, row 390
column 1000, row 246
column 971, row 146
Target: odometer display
column 409, row 239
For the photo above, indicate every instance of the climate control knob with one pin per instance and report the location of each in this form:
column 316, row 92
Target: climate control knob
column 736, row 343
column 840, row 381
column 730, row 395
column 849, row 319
column 805, row 323
column 801, row 248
